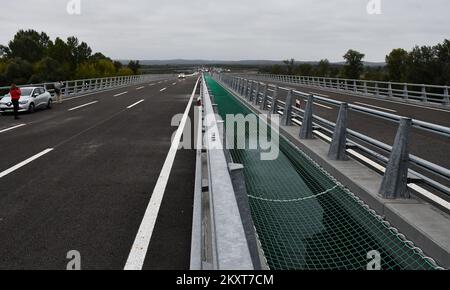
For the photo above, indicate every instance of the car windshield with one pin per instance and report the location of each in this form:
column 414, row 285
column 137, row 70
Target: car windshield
column 26, row 91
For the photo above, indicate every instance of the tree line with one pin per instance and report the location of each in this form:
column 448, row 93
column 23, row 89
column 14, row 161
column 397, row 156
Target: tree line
column 422, row 64
column 32, row 57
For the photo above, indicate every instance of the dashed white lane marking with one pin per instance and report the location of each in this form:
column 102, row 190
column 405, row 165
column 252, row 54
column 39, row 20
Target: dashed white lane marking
column 174, row 84
column 376, row 107
column 23, row 163
column 82, row 106
column 135, row 104
column 162, row 90
column 151, row 85
column 12, row 128
column 140, row 88
column 139, row 250
column 120, row 94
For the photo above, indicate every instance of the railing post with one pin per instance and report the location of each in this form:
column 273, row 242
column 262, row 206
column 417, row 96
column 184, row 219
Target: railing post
column 306, row 131
column 395, row 180
column 66, row 91
column 365, row 87
column 263, row 105
column 274, row 108
column 355, row 88
column 256, row 100
column 338, row 146
column 405, row 92
column 424, row 94
column 286, row 120
column 245, row 88
column 377, row 89
column 390, row 90
column 250, row 91
column 446, row 97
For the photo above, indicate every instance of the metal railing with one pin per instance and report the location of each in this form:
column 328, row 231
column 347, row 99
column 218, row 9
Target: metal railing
column 84, row 86
column 426, row 94
column 219, row 240
column 266, row 96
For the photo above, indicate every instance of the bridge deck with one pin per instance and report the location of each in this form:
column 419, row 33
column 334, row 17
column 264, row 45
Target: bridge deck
column 90, row 193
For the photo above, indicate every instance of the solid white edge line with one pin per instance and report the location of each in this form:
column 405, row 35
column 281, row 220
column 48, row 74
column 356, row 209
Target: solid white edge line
column 135, row 104
column 162, row 90
column 376, row 107
column 141, row 243
column 82, row 106
column 12, row 128
column 120, row 94
column 140, row 88
column 25, row 162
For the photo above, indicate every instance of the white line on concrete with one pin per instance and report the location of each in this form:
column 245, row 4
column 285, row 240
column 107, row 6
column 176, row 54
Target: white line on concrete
column 139, row 250
column 174, row 84
column 135, row 104
column 162, row 90
column 82, row 106
column 431, row 196
column 151, row 85
column 376, row 107
column 320, row 105
column 23, row 163
column 121, row 94
column 140, row 88
column 12, row 128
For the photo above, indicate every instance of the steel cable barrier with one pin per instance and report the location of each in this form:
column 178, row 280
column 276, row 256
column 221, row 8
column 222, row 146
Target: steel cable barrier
column 304, row 218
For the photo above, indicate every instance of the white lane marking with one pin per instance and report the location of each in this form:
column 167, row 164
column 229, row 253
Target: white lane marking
column 431, row 196
column 139, row 250
column 82, row 106
column 160, row 82
column 12, row 128
column 140, row 88
column 151, row 85
column 162, row 90
column 121, row 94
column 174, row 84
column 135, row 104
column 23, row 163
column 376, row 107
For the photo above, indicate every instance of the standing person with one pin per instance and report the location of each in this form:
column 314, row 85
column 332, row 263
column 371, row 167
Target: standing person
column 58, row 87
column 15, row 94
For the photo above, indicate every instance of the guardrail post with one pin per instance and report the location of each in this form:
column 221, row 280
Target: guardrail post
column 365, row 87
column 405, row 92
column 338, row 146
column 250, row 91
column 390, row 90
column 66, row 90
column 377, row 89
column 256, row 100
column 424, row 94
column 306, row 131
column 286, row 120
column 274, row 108
column 446, row 97
column 355, row 88
column 346, row 85
column 263, row 105
column 244, row 93
column 394, row 184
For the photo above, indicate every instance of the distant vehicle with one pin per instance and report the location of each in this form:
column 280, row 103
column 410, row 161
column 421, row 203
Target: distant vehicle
column 32, row 98
column 181, row 76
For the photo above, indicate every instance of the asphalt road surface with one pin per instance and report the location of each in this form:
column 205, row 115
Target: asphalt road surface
column 89, row 169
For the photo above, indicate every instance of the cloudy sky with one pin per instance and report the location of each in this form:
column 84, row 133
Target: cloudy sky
column 234, row 29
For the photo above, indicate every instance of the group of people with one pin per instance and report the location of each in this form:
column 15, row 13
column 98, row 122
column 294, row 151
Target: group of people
column 15, row 94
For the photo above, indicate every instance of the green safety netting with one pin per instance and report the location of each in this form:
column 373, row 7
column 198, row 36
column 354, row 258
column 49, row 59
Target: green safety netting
column 304, row 218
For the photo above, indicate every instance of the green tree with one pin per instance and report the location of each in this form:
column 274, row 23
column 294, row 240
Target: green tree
column 118, row 65
column 134, row 66
column 47, row 69
column 124, row 71
column 323, row 68
column 290, row 65
column 17, row 71
column 354, row 65
column 396, row 63
column 29, row 45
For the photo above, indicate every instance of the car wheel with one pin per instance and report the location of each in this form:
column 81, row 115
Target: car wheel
column 31, row 108
column 49, row 104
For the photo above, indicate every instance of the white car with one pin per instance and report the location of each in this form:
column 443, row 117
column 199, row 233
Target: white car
column 32, row 98
column 181, row 76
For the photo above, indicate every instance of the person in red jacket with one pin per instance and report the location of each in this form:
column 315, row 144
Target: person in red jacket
column 15, row 97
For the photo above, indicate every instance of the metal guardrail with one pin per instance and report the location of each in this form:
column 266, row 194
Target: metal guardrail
column 79, row 87
column 266, row 95
column 219, row 240
column 427, row 94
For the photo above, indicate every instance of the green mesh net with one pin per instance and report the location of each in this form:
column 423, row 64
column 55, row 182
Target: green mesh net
column 306, row 220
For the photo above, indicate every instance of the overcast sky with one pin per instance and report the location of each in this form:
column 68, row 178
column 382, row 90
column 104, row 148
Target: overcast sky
column 234, row 29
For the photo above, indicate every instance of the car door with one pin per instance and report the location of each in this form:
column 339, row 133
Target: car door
column 40, row 99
